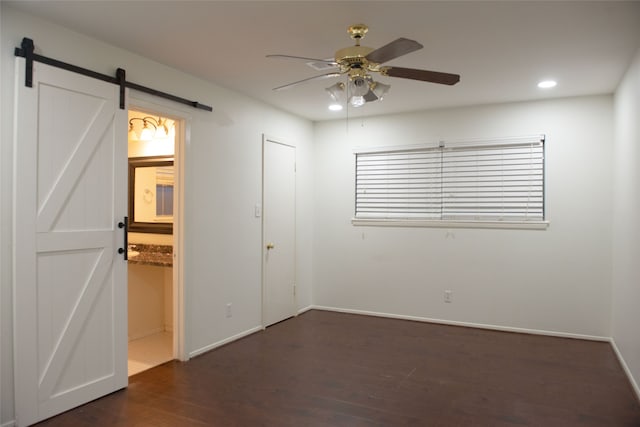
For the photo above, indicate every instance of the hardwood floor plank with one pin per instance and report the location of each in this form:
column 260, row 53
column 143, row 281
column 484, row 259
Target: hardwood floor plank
column 336, row 369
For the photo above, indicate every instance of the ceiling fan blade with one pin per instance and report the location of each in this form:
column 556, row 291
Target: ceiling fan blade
column 393, row 50
column 422, row 75
column 320, row 77
column 303, row 58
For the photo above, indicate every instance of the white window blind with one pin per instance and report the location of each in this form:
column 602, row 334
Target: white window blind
column 480, row 181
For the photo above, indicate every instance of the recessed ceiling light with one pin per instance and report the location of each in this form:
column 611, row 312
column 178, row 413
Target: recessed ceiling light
column 547, row 84
column 335, row 107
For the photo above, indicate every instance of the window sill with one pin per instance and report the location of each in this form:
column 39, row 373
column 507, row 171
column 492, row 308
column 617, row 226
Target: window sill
column 521, row 225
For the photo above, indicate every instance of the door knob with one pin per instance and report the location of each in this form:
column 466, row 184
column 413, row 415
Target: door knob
column 270, row 246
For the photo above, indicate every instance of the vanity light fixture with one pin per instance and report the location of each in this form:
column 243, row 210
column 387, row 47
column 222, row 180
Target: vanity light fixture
column 133, row 135
column 147, row 134
column 151, row 128
column 162, row 130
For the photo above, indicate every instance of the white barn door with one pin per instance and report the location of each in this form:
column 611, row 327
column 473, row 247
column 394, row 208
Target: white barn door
column 70, row 283
column 279, row 231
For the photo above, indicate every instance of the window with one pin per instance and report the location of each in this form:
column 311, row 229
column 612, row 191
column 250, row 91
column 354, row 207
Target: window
column 497, row 181
column 164, row 192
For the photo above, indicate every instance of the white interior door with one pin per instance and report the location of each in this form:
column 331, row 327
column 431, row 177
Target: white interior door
column 279, row 225
column 70, row 284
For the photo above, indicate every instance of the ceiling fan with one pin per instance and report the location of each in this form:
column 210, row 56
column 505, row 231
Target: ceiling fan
column 358, row 62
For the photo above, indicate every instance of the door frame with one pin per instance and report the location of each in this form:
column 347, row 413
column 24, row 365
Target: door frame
column 269, row 139
column 154, row 106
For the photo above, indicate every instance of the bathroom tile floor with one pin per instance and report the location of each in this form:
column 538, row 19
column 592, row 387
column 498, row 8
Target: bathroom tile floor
column 150, row 351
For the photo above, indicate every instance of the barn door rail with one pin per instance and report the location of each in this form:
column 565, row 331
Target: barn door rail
column 26, row 50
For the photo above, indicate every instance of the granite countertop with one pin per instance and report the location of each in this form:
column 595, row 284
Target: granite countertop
column 159, row 255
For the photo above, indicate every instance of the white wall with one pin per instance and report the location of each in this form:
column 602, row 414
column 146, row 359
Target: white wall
column 626, row 230
column 556, row 280
column 222, row 177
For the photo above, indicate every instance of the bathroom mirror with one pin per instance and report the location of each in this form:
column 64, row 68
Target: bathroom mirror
column 151, row 194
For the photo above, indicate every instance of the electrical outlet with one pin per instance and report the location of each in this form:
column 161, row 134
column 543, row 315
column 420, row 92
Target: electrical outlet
column 448, row 296
column 229, row 310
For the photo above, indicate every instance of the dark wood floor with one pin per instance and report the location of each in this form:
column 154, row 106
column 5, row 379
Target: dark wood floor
column 332, row 369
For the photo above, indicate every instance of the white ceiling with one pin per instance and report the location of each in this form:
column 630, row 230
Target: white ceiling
column 500, row 49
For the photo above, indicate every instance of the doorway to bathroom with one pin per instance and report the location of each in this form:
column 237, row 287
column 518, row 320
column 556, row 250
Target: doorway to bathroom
column 153, row 198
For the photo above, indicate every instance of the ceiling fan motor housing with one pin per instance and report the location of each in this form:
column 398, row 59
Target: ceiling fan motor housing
column 353, row 58
column 353, row 55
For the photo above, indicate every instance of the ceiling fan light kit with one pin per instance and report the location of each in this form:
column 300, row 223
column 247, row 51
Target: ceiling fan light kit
column 336, row 92
column 358, row 91
column 358, row 62
column 379, row 89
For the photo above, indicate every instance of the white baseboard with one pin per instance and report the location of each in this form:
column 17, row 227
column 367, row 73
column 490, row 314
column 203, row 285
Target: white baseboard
column 147, row 333
column 224, row 341
column 9, row 424
column 467, row 324
column 626, row 369
column 307, row 308
column 237, row 336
